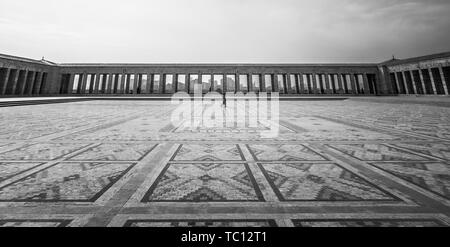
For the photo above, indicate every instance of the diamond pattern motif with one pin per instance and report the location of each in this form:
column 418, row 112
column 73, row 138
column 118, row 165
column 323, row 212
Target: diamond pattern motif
column 204, row 182
column 319, row 182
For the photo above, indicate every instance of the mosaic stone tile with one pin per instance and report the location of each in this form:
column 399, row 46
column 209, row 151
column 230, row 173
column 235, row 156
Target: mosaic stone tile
column 369, row 223
column 116, row 152
column 376, row 152
column 434, row 177
column 203, row 183
column 200, row 223
column 8, row 170
column 65, row 182
column 208, row 152
column 41, row 151
column 440, row 150
column 283, row 152
column 320, row 182
column 34, row 223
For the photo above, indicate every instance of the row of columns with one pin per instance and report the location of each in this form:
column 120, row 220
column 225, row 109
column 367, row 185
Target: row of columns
column 291, row 83
column 422, row 81
column 14, row 81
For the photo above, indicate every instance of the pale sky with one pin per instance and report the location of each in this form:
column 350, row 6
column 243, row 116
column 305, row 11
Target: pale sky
column 223, row 31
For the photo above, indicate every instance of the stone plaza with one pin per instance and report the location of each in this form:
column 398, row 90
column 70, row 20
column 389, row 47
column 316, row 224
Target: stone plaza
column 335, row 162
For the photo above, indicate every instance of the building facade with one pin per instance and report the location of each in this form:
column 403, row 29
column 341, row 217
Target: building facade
column 421, row 75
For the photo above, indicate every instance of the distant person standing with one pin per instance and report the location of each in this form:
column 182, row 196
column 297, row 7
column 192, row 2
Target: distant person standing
column 224, row 100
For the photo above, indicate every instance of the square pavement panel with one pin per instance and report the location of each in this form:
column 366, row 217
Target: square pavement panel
column 283, row 152
column 34, row 223
column 41, row 151
column 369, row 223
column 200, row 223
column 76, row 182
column 208, row 152
column 11, row 169
column 434, row 177
column 376, row 152
column 116, row 152
column 204, row 183
column 320, row 182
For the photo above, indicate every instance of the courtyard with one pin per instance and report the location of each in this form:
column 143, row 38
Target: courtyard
column 123, row 163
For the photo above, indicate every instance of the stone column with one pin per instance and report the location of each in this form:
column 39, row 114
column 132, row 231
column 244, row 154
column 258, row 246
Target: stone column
column 24, row 83
column 97, row 83
column 135, row 83
column 328, row 86
column 250, row 82
column 200, row 81
column 444, row 82
column 175, row 83
column 332, row 83
column 126, row 89
column 366, row 84
column 237, row 83
column 83, row 83
column 5, row 82
column 14, row 83
column 225, row 83
column 314, row 89
column 37, row 84
column 405, row 82
column 397, row 82
column 122, row 81
column 301, row 84
column 108, row 85
column 413, row 81
column 341, row 84
column 187, row 82
column 262, row 82
column 354, row 84
column 422, row 81
column 31, row 85
column 91, row 85
column 149, row 87
column 275, row 83
column 71, row 82
column 287, row 81
column 162, row 83
column 430, row 72
column 104, row 81
column 297, row 83
column 309, row 83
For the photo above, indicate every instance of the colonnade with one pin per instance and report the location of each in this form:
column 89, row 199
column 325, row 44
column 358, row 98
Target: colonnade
column 167, row 83
column 431, row 80
column 22, row 82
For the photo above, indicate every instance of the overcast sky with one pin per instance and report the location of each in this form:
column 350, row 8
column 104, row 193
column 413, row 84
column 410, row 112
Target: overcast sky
column 264, row 31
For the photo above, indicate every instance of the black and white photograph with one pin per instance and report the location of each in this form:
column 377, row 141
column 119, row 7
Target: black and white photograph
column 224, row 114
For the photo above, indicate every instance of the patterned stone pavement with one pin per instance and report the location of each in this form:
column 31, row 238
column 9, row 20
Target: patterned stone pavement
column 123, row 163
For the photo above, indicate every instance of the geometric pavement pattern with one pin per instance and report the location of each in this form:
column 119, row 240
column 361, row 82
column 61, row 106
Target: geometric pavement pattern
column 204, row 182
column 65, row 182
column 434, row 177
column 283, row 153
column 208, row 152
column 320, row 182
column 121, row 163
column 114, row 152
